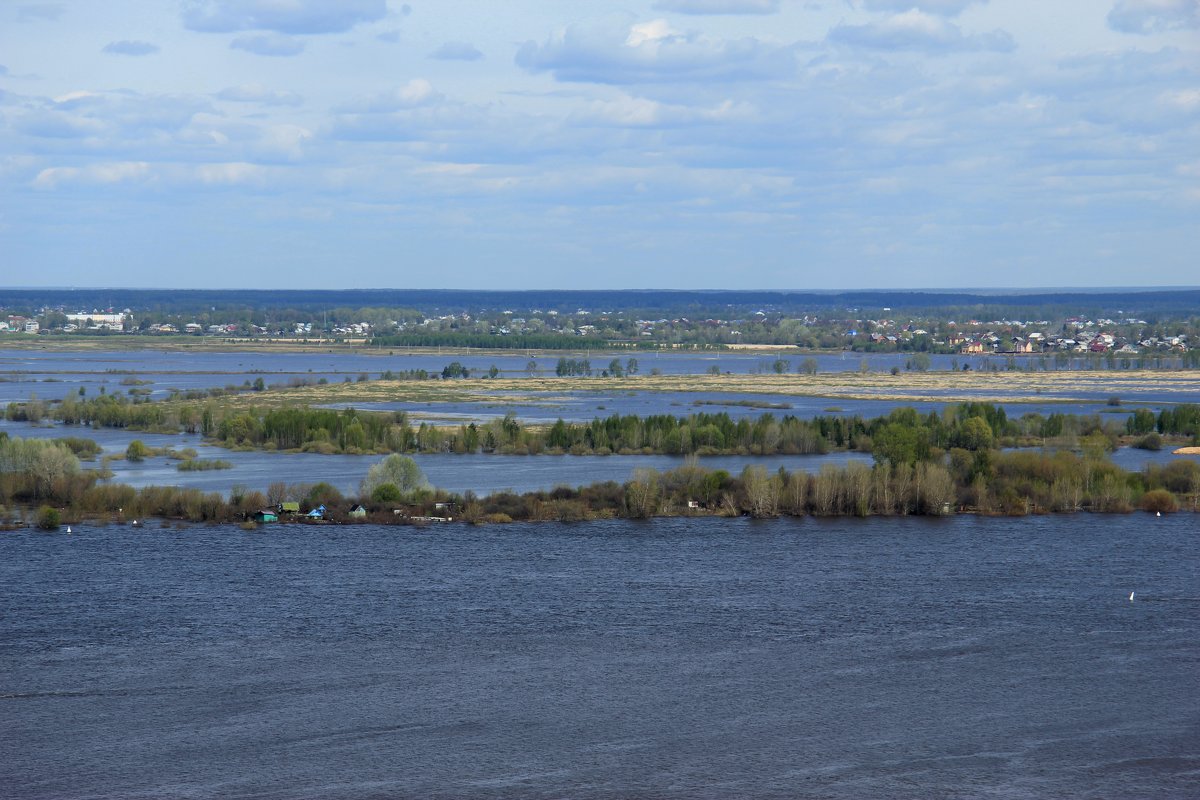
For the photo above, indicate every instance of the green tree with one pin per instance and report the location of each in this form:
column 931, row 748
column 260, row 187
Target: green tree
column 898, row 443
column 48, row 518
column 974, row 434
column 386, row 493
column 136, row 451
column 400, row 471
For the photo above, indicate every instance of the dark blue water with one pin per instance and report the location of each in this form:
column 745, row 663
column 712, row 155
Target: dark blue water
column 675, row 659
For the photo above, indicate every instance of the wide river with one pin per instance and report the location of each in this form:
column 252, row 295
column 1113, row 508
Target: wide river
column 678, row 658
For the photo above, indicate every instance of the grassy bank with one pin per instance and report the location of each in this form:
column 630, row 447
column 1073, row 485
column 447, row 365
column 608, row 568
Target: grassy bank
column 993, row 387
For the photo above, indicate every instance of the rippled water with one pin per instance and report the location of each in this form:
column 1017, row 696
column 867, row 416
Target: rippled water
column 678, row 658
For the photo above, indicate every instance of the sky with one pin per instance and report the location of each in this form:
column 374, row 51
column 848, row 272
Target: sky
column 687, row 144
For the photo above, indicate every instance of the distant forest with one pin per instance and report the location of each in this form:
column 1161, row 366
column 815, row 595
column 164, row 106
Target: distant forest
column 654, row 303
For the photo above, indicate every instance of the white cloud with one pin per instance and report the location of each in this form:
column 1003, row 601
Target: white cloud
column 268, row 44
column 916, row 30
column 106, row 117
column 417, row 92
column 949, row 8
column 257, row 93
column 159, row 176
column 1154, row 16
column 286, row 142
column 128, row 47
column 658, row 30
column 652, row 52
column 232, row 174
column 93, row 174
column 718, row 6
column 281, row 16
column 76, row 95
column 1184, row 99
column 640, row 112
column 45, row 123
column 457, row 51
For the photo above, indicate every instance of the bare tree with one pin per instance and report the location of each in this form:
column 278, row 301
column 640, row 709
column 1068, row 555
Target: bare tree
column 642, row 493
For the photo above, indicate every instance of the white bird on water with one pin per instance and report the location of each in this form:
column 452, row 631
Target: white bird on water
column 68, row 529
column 1131, row 594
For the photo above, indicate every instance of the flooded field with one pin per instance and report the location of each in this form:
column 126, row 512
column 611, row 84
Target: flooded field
column 53, row 373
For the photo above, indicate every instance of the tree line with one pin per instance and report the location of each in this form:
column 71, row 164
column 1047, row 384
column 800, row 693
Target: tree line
column 47, row 472
column 903, row 436
column 516, row 341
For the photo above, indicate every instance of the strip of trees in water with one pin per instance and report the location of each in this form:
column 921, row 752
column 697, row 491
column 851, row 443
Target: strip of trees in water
column 903, row 436
column 45, row 472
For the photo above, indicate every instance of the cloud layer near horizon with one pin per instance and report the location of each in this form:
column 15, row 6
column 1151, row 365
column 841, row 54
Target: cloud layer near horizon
column 681, row 143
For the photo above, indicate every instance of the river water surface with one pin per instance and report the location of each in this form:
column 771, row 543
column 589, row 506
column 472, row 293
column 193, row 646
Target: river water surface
column 678, row 658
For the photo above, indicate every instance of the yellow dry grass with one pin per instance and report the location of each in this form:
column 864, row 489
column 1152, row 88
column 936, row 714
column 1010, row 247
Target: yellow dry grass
column 906, row 387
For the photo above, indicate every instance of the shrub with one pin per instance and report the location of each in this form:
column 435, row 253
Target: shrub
column 323, row 493
column 1151, row 441
column 48, row 518
column 1159, row 500
column 203, row 464
column 386, row 493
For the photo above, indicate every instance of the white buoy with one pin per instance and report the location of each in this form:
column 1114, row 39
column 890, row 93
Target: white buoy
column 1131, row 594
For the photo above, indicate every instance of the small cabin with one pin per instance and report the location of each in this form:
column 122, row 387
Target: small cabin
column 289, row 508
column 316, row 513
column 266, row 515
column 357, row 512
